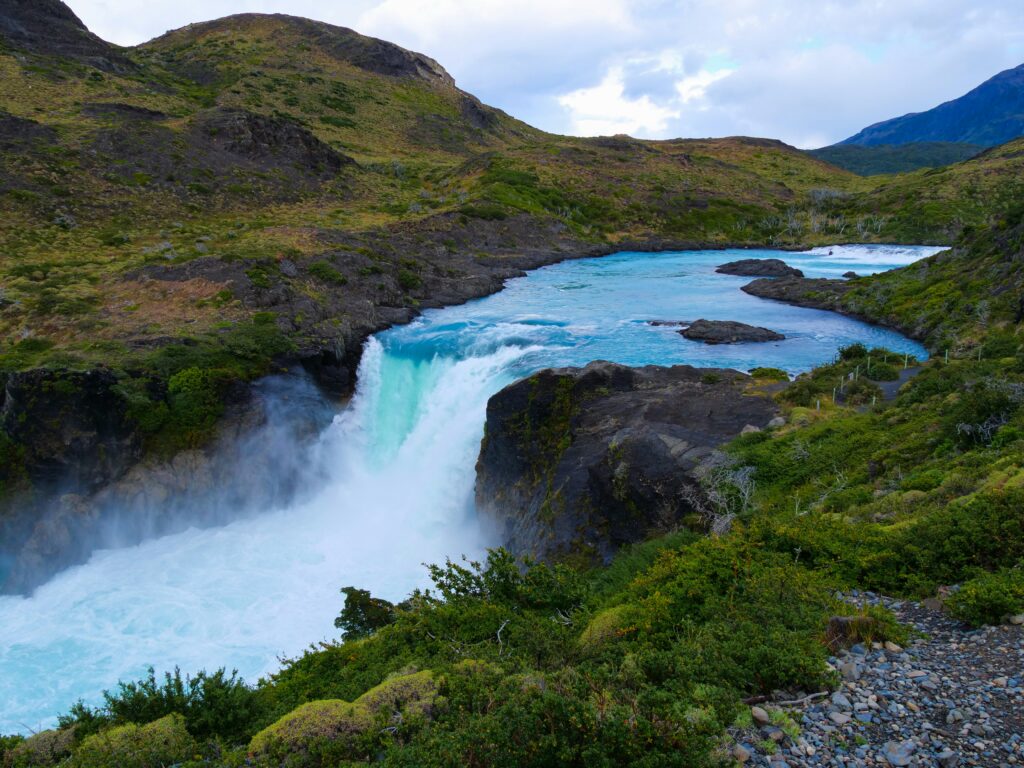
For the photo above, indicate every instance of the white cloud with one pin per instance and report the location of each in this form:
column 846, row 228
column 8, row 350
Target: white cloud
column 604, row 110
column 695, row 87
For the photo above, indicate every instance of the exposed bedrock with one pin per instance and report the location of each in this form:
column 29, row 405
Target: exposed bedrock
column 91, row 489
column 577, row 462
column 759, row 268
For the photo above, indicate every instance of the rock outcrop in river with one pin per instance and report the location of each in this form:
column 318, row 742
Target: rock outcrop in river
column 579, row 462
column 728, row 332
column 759, row 268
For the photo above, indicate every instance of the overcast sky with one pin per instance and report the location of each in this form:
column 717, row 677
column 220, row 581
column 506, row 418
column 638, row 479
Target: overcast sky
column 810, row 72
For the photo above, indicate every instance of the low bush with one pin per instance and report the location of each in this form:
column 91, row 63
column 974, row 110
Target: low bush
column 158, row 744
column 210, row 704
column 326, row 273
column 989, row 598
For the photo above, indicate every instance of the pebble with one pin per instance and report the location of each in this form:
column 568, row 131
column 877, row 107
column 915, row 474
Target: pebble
column 899, row 753
column 759, row 716
column 950, row 698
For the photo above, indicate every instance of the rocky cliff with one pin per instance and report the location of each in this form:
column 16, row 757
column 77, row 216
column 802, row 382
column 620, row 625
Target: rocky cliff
column 83, row 482
column 579, row 462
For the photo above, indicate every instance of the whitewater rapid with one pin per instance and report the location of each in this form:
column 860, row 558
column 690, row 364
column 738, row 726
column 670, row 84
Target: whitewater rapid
column 399, row 467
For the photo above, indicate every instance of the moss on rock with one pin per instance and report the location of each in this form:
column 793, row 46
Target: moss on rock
column 330, row 720
column 335, row 727
column 413, row 693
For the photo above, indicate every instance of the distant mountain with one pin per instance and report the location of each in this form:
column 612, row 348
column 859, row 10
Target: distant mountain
column 991, row 114
column 896, row 158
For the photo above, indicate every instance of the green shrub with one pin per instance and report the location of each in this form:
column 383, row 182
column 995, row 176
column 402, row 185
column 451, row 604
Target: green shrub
column 302, row 737
column 802, row 393
column 989, row 598
column 319, row 733
column 363, row 614
column 979, row 414
column 881, row 371
column 853, row 351
column 485, row 211
column 44, row 749
column 157, row 745
column 211, row 703
column 861, row 392
column 409, row 280
column 769, row 374
column 195, row 404
column 261, row 275
column 325, row 272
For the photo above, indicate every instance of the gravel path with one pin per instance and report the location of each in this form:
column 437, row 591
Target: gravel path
column 953, row 697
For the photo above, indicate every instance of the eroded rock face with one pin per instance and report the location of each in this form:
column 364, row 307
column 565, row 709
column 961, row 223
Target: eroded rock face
column 583, row 461
column 73, row 425
column 759, row 268
column 90, row 489
column 270, row 140
column 728, row 332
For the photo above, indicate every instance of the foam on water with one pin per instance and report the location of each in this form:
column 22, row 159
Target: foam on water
column 401, row 472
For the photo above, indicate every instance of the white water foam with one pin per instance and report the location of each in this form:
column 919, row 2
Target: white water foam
column 402, row 463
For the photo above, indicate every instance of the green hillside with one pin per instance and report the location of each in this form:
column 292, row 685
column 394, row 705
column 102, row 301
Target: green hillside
column 895, row 158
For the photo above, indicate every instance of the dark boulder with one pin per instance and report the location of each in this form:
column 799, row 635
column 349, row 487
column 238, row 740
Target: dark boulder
column 759, row 268
column 579, row 462
column 728, row 332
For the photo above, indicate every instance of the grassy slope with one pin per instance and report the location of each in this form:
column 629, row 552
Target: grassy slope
column 895, row 158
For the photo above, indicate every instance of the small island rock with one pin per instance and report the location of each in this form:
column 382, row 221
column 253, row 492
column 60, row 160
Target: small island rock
column 728, row 332
column 759, row 268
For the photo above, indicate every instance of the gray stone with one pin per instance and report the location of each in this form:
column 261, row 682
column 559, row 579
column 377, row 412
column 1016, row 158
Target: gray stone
column 899, row 753
column 839, row 699
column 850, row 670
column 947, row 758
column 759, row 716
column 740, row 753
